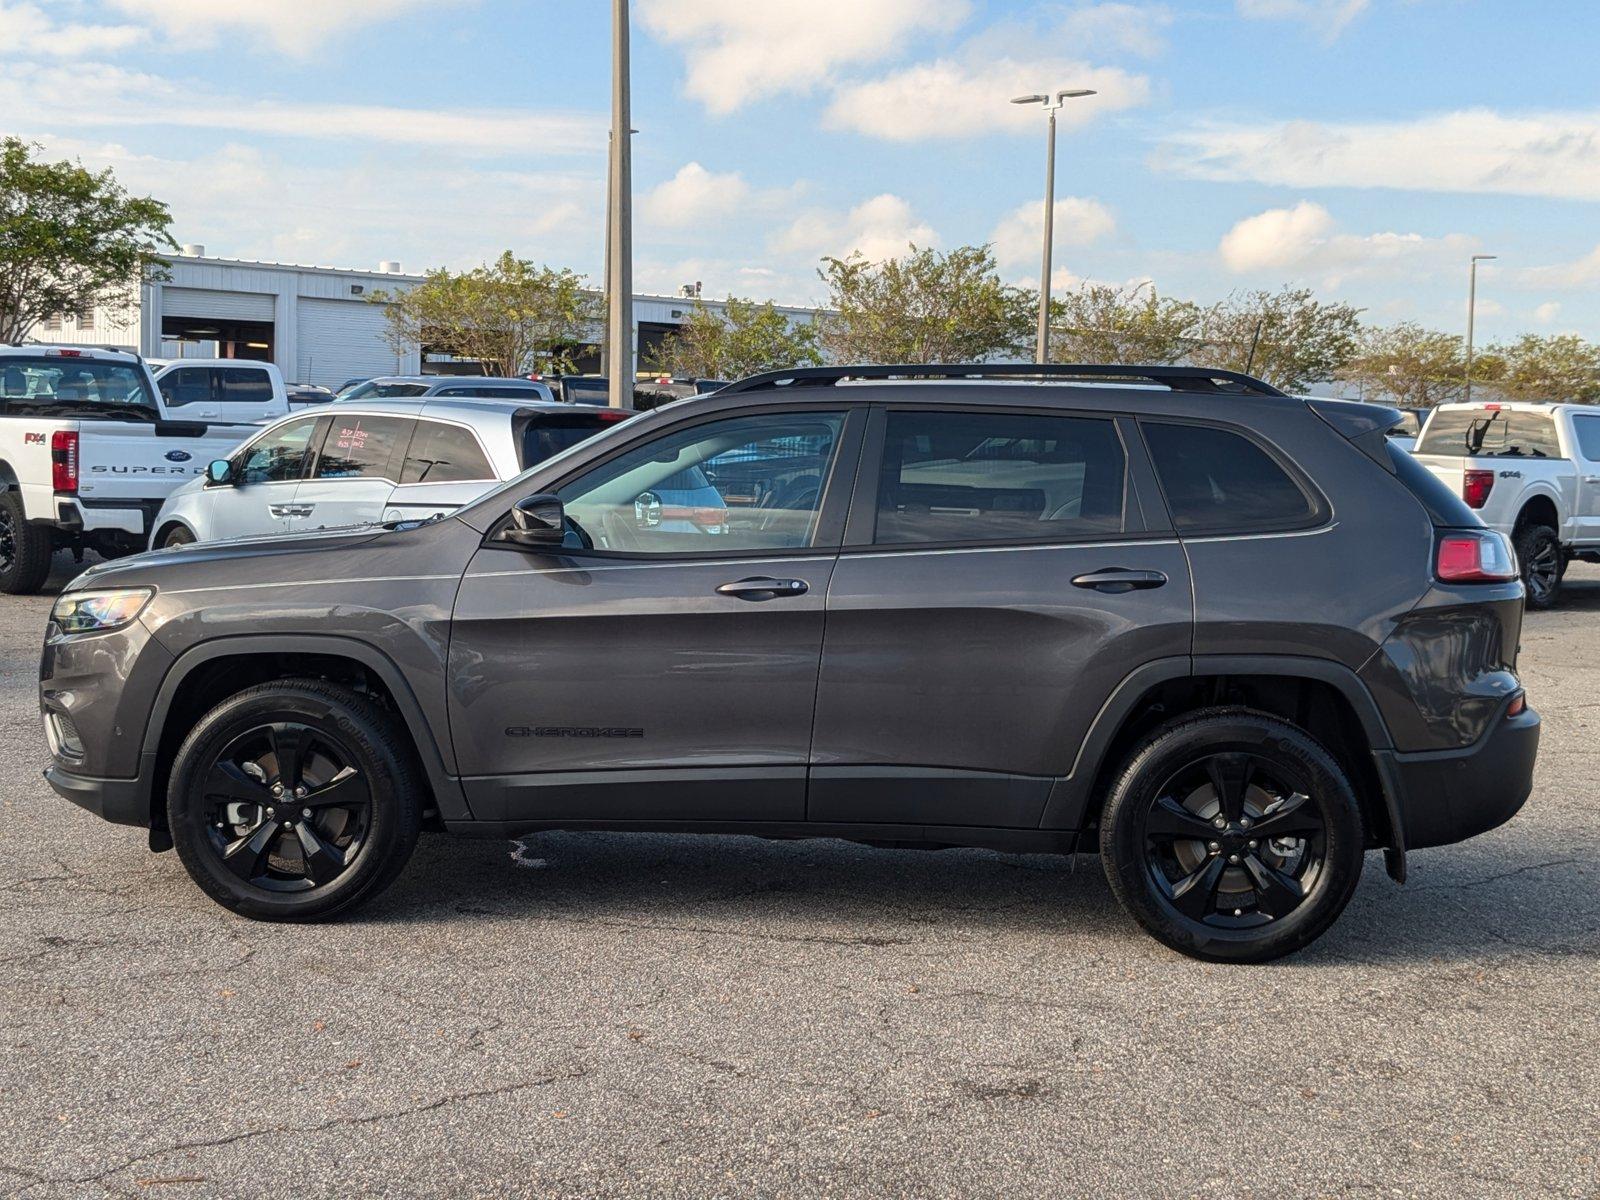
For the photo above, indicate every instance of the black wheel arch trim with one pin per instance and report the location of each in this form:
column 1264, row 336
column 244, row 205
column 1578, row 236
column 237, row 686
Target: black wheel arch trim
column 447, row 791
column 1070, row 797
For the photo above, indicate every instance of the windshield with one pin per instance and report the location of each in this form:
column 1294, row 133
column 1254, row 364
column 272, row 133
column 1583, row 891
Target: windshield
column 1490, row 433
column 491, row 500
column 379, row 389
column 48, row 383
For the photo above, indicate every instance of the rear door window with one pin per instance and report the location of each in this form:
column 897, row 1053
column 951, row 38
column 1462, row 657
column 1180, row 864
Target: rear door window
column 1219, row 482
column 243, row 385
column 362, row 447
column 441, row 453
column 1588, row 431
column 964, row 477
column 1491, row 433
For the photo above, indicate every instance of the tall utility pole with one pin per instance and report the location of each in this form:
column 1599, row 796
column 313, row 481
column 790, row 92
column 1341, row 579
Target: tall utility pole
column 1042, row 342
column 1472, row 310
column 619, row 220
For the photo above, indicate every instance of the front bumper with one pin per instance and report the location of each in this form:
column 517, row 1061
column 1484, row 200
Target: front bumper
column 1450, row 795
column 122, row 801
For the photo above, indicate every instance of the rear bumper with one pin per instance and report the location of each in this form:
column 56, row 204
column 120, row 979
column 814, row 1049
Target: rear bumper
column 1449, row 796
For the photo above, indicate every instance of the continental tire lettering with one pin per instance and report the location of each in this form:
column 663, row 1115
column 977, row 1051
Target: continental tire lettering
column 574, row 731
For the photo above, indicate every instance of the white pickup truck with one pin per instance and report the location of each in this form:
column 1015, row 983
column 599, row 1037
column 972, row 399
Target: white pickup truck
column 89, row 449
column 1532, row 471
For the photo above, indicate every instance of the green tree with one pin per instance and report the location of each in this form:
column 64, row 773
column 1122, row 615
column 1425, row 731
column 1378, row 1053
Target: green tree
column 744, row 338
column 925, row 307
column 70, row 239
column 1101, row 323
column 1287, row 337
column 1563, row 368
column 1409, row 365
column 512, row 315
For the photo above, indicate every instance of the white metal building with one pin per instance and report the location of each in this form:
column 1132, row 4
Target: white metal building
column 318, row 324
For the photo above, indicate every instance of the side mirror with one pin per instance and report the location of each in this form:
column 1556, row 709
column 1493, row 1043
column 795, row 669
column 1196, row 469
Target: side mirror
column 539, row 522
column 220, row 471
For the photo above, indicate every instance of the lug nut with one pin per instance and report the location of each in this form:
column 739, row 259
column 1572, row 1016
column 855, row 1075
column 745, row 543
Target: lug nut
column 1253, row 844
column 306, row 812
column 277, row 789
column 272, row 812
column 299, row 793
column 1214, row 847
column 1233, row 858
column 1220, row 822
column 1244, row 822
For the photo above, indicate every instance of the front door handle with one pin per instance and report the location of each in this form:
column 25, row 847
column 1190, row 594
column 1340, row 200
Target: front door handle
column 1591, row 478
column 1116, row 580
column 290, row 511
column 759, row 587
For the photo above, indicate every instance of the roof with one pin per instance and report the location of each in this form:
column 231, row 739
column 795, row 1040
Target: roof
column 50, row 350
column 481, row 412
column 1514, row 405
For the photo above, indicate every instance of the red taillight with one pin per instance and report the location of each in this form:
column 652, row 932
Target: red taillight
column 1518, row 705
column 615, row 414
column 1474, row 557
column 64, row 460
column 1476, row 486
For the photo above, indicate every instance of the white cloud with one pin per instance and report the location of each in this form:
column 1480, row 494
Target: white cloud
column 970, row 95
column 1305, row 240
column 25, row 29
column 880, row 228
column 92, row 95
column 1079, row 221
column 1547, row 313
column 1328, row 17
column 295, row 27
column 1581, row 272
column 1128, row 28
column 694, row 195
column 743, row 50
column 1542, row 154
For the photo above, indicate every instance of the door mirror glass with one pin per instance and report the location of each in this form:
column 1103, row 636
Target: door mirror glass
column 538, row 521
column 220, row 471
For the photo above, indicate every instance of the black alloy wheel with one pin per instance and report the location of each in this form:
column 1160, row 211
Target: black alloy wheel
column 8, row 539
column 1539, row 555
column 1232, row 836
column 288, row 809
column 1232, row 842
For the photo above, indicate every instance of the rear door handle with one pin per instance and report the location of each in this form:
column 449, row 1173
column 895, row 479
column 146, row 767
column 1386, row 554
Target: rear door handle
column 1116, row 580
column 759, row 587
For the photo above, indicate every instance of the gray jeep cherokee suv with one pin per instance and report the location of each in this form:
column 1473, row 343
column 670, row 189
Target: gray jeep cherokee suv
column 1229, row 638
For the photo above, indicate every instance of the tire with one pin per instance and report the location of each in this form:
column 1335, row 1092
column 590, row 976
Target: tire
column 1183, row 886
column 26, row 550
column 177, row 536
column 1539, row 559
column 231, row 831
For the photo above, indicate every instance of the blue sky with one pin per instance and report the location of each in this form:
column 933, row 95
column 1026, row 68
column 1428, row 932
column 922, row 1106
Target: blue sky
column 1365, row 148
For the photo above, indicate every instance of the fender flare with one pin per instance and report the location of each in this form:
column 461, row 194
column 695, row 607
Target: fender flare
column 447, row 792
column 1069, row 798
column 1540, row 489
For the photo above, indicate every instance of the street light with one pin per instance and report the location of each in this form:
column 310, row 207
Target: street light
column 1472, row 307
column 1042, row 353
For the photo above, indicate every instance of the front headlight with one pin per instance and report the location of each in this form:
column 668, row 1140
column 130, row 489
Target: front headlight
column 96, row 612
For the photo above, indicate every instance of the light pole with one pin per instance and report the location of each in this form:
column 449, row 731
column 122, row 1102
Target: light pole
column 1052, row 106
column 1472, row 309
column 619, row 221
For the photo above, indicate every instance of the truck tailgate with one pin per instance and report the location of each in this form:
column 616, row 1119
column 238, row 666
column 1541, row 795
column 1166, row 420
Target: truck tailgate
column 137, row 460
column 1449, row 469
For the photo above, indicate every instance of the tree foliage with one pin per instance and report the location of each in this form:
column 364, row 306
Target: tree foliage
column 512, row 315
column 925, row 307
column 744, row 338
column 1562, row 368
column 70, row 239
column 1287, row 337
column 1408, row 365
column 1102, row 323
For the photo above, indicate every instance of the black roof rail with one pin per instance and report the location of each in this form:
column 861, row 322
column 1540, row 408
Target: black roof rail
column 1179, row 379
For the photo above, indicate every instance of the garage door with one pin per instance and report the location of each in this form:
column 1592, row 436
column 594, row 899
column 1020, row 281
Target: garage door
column 341, row 339
column 197, row 302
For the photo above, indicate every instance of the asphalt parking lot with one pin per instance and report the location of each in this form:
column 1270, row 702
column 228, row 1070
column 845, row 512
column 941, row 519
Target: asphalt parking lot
column 602, row 1015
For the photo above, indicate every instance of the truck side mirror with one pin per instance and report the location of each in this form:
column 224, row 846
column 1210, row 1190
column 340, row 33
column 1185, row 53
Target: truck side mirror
column 538, row 522
column 220, row 471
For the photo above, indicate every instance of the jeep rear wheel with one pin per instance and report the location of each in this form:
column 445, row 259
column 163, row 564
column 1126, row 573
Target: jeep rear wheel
column 294, row 800
column 1232, row 836
column 25, row 550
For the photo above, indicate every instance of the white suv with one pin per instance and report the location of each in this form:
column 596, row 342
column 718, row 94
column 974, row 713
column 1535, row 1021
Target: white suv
column 356, row 463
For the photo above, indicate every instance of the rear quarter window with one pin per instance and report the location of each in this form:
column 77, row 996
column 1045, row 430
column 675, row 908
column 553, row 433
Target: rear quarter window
column 1221, row 482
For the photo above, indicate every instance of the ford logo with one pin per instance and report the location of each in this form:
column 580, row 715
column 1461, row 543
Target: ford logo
column 178, row 456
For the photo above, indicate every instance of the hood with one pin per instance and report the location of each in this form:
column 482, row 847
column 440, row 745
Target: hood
column 153, row 566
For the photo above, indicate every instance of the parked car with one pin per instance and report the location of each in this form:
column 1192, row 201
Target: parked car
column 400, row 387
column 235, row 391
column 90, row 447
column 1531, row 471
column 308, row 395
column 390, row 460
column 1186, row 621
column 350, row 383
column 1408, row 428
column 648, row 392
